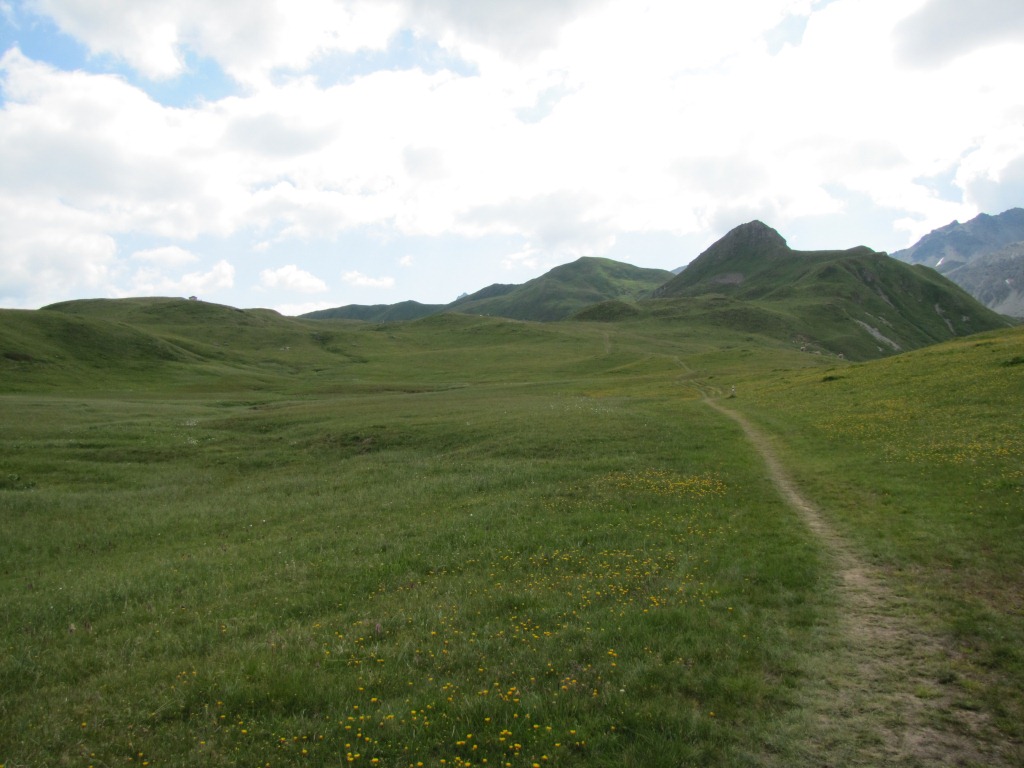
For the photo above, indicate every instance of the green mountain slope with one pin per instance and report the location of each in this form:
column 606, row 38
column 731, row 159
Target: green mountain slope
column 377, row 313
column 856, row 302
column 564, row 290
column 554, row 295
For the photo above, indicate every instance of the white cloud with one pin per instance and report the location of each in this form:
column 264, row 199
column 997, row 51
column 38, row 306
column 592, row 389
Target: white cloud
column 583, row 124
column 528, row 258
column 365, row 281
column 249, row 38
column 517, row 30
column 563, row 222
column 290, row 277
column 424, row 163
column 167, row 256
column 151, row 282
column 50, row 252
column 221, row 276
column 941, row 30
column 98, row 144
column 992, row 175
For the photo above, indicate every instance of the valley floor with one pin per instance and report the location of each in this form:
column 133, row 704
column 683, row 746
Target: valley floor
column 465, row 542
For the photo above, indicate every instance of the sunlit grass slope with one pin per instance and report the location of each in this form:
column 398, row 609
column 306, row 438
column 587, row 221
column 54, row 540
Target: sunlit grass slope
column 474, row 542
column 232, row 538
column 920, row 459
column 564, row 290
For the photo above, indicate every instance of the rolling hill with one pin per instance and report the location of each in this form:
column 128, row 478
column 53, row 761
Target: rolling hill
column 856, row 303
column 377, row 313
column 564, row 290
column 164, row 341
column 554, row 295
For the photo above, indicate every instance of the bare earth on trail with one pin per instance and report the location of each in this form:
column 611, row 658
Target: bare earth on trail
column 878, row 699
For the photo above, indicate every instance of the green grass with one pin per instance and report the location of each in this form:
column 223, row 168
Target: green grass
column 857, row 303
column 920, row 459
column 382, row 575
column 472, row 540
column 565, row 290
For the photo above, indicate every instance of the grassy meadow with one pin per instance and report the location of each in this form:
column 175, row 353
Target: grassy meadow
column 466, row 541
column 919, row 460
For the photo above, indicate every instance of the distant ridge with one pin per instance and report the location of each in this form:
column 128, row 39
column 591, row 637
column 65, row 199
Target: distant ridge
column 985, row 256
column 856, row 302
column 749, row 287
column 377, row 313
column 565, row 290
column 555, row 295
column 954, row 245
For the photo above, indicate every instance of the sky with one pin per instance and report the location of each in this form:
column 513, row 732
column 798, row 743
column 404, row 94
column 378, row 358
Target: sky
column 306, row 154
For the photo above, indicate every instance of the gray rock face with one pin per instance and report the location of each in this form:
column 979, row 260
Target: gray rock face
column 984, row 256
column 942, row 248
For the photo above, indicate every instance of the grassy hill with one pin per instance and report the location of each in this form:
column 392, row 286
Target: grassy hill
column 554, row 295
column 856, row 302
column 377, row 313
column 163, row 343
column 229, row 537
column 564, row 290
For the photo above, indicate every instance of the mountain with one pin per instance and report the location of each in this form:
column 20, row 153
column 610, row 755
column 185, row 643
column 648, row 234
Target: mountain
column 745, row 252
column 995, row 279
column 985, row 256
column 377, row 313
column 857, row 301
column 564, row 290
column 956, row 244
column 555, row 295
column 750, row 286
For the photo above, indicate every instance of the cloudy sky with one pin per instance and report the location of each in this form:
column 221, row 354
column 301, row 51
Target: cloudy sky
column 301, row 154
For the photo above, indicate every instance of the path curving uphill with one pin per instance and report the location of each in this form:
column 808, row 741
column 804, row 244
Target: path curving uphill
column 877, row 699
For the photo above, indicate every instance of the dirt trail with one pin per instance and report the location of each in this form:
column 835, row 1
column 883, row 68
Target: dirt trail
column 878, row 699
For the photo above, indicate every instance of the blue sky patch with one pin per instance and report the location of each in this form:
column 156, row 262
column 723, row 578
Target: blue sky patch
column 406, row 50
